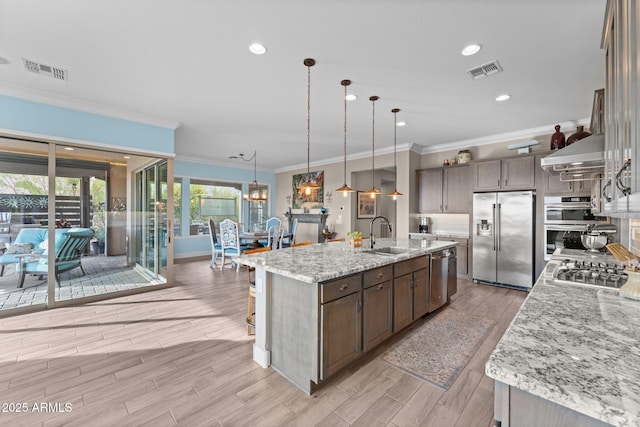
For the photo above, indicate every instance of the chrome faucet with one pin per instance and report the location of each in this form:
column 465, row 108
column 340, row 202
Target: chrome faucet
column 371, row 237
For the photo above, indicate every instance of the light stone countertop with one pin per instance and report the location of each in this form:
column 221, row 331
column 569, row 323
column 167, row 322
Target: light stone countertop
column 576, row 346
column 325, row 261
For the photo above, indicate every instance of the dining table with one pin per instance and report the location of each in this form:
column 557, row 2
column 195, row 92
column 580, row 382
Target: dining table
column 256, row 236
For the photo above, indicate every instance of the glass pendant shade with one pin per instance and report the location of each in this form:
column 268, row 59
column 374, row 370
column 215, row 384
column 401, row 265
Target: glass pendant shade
column 345, row 189
column 308, row 186
column 395, row 194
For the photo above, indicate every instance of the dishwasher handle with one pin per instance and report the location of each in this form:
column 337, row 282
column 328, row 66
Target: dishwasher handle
column 442, row 254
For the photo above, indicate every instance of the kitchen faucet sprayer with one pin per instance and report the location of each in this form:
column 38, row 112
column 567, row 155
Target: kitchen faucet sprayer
column 371, row 236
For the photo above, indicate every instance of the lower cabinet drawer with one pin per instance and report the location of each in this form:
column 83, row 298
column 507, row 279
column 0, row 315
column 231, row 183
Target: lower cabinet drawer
column 339, row 288
column 377, row 275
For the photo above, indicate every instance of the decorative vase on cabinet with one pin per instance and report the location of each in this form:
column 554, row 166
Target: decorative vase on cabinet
column 580, row 134
column 557, row 139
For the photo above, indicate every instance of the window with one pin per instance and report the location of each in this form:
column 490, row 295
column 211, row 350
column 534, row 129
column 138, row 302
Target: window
column 207, row 199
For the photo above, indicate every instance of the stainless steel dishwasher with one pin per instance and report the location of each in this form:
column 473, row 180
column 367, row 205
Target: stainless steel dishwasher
column 444, row 280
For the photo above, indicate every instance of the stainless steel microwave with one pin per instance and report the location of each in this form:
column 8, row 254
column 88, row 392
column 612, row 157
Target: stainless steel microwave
column 570, row 210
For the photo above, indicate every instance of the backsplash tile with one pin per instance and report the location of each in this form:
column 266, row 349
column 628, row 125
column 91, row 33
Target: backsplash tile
column 634, row 233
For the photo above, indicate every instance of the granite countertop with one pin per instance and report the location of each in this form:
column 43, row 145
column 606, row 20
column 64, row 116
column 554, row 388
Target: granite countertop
column 325, row 261
column 576, row 346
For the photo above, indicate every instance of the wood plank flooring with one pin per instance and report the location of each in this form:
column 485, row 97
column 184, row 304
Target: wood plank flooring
column 181, row 356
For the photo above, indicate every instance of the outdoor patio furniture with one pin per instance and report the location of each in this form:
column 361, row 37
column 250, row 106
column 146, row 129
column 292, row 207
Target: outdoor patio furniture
column 68, row 255
column 32, row 240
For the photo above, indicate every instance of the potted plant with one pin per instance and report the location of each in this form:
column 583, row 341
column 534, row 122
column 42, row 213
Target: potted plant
column 355, row 239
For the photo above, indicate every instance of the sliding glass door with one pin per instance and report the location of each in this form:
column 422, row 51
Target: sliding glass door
column 152, row 220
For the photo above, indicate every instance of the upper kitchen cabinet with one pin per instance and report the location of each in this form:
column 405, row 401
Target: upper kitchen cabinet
column 516, row 173
column 621, row 182
column 444, row 190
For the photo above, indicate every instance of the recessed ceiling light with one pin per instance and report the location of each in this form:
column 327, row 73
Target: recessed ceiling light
column 126, row 157
column 401, row 124
column 471, row 49
column 503, row 97
column 351, row 97
column 69, row 148
column 257, row 48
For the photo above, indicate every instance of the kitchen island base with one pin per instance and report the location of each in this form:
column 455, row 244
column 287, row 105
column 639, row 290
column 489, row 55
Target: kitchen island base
column 517, row 408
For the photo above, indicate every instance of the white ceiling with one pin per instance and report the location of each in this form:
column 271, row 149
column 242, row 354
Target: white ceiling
column 188, row 61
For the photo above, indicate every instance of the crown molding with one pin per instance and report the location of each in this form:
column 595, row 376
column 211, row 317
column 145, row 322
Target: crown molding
column 71, row 103
column 354, row 156
column 504, row 137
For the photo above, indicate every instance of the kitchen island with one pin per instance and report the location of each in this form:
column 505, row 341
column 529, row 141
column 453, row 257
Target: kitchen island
column 321, row 307
column 571, row 357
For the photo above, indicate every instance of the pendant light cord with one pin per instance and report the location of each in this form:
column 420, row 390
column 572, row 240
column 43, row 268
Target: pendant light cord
column 308, row 122
column 373, row 141
column 345, row 135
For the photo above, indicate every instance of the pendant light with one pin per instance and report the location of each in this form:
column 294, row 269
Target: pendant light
column 309, row 185
column 255, row 193
column 373, row 192
column 345, row 189
column 395, row 194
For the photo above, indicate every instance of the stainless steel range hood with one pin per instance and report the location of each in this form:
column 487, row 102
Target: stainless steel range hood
column 579, row 161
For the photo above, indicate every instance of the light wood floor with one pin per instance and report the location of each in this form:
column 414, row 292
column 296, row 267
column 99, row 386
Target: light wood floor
column 181, row 356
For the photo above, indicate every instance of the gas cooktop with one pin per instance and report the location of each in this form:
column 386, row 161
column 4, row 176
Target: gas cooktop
column 586, row 268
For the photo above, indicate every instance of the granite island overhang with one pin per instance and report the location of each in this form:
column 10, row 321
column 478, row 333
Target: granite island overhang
column 290, row 287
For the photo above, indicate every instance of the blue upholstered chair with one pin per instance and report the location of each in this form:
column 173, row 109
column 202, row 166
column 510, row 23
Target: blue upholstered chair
column 230, row 242
column 68, row 255
column 290, row 240
column 271, row 222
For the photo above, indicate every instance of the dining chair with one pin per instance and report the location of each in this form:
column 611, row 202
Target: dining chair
column 230, row 242
column 271, row 222
column 251, row 303
column 305, row 243
column 288, row 241
column 276, row 234
column 216, row 247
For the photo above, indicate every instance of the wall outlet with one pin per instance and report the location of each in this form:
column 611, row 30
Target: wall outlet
column 258, row 285
column 339, row 219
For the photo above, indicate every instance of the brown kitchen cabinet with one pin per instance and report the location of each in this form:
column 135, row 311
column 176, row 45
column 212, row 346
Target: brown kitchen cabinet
column 410, row 291
column 377, row 306
column 444, row 190
column 515, row 173
column 341, row 314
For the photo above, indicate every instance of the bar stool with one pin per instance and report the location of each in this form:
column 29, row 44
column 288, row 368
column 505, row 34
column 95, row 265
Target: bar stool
column 251, row 302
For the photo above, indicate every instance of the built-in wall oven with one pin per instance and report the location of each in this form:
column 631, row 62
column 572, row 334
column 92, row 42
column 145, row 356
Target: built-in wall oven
column 565, row 217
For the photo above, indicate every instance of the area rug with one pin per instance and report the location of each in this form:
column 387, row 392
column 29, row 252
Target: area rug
column 437, row 351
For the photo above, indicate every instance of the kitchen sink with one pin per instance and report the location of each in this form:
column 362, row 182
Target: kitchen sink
column 389, row 250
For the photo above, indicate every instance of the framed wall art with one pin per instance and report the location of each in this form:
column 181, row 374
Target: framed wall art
column 366, row 205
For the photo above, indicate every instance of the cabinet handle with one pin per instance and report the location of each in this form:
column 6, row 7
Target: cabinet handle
column 571, row 185
column 343, row 287
column 380, row 275
column 440, row 207
column 498, row 182
column 380, row 287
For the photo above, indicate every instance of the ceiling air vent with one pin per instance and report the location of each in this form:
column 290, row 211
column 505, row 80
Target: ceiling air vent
column 485, row 70
column 45, row 70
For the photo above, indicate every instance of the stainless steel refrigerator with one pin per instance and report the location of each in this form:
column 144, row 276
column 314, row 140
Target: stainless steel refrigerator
column 504, row 238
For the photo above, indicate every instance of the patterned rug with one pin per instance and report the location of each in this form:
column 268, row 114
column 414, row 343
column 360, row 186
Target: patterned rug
column 438, row 350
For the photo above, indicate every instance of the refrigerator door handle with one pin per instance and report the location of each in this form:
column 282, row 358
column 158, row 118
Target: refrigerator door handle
column 495, row 230
column 498, row 228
